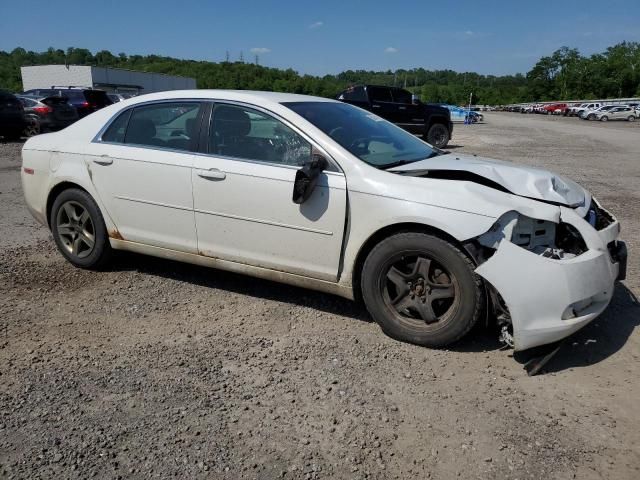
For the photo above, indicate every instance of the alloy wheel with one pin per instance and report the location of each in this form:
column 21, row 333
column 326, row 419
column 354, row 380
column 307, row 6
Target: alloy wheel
column 32, row 129
column 75, row 229
column 419, row 289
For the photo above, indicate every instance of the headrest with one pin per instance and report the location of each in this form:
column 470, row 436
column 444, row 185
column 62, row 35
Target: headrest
column 231, row 121
column 140, row 130
column 189, row 125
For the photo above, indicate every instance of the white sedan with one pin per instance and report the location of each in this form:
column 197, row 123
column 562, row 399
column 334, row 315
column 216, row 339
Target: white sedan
column 324, row 195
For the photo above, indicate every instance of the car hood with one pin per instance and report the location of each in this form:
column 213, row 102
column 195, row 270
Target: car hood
column 524, row 181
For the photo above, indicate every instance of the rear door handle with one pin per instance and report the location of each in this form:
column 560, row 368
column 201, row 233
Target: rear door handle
column 212, row 174
column 375, row 106
column 103, row 160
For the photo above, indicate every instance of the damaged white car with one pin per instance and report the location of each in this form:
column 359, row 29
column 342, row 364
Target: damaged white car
column 321, row 194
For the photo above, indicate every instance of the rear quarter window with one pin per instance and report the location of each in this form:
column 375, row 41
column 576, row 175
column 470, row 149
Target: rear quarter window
column 118, row 128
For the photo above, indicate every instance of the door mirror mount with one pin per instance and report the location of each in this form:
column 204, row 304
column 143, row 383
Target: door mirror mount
column 307, row 177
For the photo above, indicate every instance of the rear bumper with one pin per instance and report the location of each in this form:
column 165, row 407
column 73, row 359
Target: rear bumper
column 550, row 299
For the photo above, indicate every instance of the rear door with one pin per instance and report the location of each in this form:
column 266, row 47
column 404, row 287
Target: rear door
column 408, row 114
column 242, row 191
column 624, row 113
column 382, row 103
column 141, row 167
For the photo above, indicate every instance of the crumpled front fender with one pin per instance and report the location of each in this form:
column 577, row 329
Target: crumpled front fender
column 549, row 299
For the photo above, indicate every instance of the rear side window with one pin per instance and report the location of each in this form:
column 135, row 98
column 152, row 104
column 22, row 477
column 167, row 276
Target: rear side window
column 116, row 131
column 354, row 94
column 27, row 102
column 72, row 95
column 98, row 98
column 401, row 96
column 380, row 94
column 165, row 125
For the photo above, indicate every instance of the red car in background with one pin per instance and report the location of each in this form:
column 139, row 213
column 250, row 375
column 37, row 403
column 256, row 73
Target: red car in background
column 555, row 109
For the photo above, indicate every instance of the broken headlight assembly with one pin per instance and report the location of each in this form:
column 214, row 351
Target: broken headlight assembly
column 552, row 240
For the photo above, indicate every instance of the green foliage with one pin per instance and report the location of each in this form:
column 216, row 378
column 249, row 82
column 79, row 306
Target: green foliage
column 562, row 76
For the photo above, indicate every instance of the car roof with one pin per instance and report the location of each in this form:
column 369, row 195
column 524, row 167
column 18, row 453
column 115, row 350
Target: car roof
column 249, row 96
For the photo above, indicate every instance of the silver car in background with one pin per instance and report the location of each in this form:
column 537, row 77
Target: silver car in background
column 619, row 112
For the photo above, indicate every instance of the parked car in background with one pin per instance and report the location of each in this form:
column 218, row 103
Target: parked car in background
column 84, row 100
column 618, row 113
column 49, row 113
column 572, row 110
column 399, row 106
column 585, row 106
column 321, row 194
column 475, row 116
column 12, row 118
column 555, row 108
column 591, row 114
column 458, row 114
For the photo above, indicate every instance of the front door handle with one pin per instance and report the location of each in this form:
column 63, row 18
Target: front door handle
column 212, row 174
column 103, row 160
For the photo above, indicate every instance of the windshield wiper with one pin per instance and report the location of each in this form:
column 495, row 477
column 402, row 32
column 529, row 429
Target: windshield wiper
column 399, row 163
column 396, row 164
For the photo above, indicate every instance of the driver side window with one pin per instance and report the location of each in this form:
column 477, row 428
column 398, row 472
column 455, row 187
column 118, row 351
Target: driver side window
column 248, row 134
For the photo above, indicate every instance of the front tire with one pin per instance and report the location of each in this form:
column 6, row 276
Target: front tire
column 78, row 229
column 438, row 135
column 604, row 119
column 631, row 118
column 421, row 289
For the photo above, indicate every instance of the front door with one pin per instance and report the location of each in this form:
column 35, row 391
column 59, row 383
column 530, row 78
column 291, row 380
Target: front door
column 242, row 190
column 141, row 168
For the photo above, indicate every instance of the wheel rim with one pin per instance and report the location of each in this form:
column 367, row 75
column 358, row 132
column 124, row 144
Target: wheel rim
column 32, row 129
column 438, row 136
column 75, row 229
column 419, row 290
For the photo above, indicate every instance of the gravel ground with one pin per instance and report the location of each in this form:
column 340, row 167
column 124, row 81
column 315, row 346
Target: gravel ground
column 159, row 369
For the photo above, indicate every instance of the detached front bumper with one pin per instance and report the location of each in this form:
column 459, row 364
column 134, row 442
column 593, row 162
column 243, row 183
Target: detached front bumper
column 550, row 299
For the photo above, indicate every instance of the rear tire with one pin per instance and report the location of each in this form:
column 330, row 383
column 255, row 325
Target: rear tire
column 438, row 135
column 421, row 289
column 604, row 119
column 78, row 229
column 32, row 129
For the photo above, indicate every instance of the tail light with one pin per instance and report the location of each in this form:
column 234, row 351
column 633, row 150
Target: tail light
column 84, row 104
column 43, row 110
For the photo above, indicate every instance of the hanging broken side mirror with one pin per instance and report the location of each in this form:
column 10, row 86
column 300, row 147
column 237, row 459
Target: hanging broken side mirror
column 307, row 177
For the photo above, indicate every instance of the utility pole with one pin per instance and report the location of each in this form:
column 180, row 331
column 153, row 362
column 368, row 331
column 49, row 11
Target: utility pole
column 257, row 58
column 226, row 58
column 241, row 57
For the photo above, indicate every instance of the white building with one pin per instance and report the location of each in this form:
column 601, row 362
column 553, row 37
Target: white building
column 104, row 78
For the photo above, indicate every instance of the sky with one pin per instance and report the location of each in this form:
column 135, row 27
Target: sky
column 326, row 36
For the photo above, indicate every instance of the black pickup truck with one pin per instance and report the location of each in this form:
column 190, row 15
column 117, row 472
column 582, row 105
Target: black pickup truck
column 398, row 106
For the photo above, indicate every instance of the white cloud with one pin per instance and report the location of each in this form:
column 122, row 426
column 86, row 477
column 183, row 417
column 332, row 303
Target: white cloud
column 315, row 25
column 260, row 50
column 469, row 33
column 390, row 50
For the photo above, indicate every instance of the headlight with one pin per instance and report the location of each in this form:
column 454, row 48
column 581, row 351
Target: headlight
column 549, row 239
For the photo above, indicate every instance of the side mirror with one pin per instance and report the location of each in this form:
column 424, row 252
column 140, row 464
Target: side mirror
column 307, row 177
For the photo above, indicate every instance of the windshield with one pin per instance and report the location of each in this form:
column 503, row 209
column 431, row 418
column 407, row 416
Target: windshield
column 367, row 136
